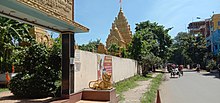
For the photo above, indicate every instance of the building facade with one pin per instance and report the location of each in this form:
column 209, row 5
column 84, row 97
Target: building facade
column 200, row 27
column 216, row 41
column 213, row 40
column 120, row 32
column 215, row 23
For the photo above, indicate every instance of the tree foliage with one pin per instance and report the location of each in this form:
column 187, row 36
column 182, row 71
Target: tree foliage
column 160, row 35
column 150, row 44
column 41, row 70
column 180, row 49
column 189, row 49
column 150, row 38
column 142, row 44
column 114, row 49
column 124, row 53
column 11, row 33
column 197, row 50
column 91, row 46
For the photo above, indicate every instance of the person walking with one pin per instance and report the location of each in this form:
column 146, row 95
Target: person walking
column 181, row 69
column 188, row 66
column 198, row 67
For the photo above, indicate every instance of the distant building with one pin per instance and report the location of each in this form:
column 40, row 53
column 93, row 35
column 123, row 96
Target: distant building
column 200, row 27
column 213, row 40
column 120, row 32
column 215, row 23
column 216, row 41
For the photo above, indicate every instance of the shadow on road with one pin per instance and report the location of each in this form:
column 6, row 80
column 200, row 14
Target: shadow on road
column 215, row 74
column 174, row 77
column 189, row 70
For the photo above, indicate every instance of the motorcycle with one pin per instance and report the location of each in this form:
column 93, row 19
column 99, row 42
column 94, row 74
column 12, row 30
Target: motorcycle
column 175, row 72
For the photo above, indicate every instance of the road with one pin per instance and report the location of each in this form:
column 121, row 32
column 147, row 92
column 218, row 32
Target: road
column 193, row 87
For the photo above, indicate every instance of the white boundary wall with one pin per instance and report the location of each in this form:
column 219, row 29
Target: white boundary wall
column 86, row 69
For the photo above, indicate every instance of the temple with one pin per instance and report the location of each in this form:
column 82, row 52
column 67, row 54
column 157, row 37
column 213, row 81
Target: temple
column 120, row 32
column 41, row 36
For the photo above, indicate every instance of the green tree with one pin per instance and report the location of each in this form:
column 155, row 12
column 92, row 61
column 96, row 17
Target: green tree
column 124, row 53
column 11, row 33
column 199, row 49
column 160, row 34
column 189, row 49
column 142, row 44
column 114, row 49
column 149, row 61
column 41, row 71
column 150, row 45
column 141, row 47
column 91, row 46
column 180, row 47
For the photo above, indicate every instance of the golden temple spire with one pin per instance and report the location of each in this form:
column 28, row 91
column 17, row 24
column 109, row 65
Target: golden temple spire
column 120, row 33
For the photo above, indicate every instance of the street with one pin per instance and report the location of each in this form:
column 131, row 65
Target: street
column 193, row 87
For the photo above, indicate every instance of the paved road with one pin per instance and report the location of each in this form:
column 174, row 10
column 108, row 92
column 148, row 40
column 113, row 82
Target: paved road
column 193, row 87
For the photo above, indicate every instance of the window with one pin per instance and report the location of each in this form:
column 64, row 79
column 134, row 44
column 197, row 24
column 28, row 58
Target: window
column 218, row 23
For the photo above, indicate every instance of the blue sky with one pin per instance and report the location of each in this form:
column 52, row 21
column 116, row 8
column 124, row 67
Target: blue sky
column 98, row 15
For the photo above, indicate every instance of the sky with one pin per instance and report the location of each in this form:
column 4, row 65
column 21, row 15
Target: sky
column 98, row 15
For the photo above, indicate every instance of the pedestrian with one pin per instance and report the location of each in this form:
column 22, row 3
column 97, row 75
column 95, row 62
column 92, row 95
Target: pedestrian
column 181, row 69
column 188, row 66
column 198, row 67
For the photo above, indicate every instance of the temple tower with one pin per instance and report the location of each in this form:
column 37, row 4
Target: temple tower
column 120, row 32
column 41, row 36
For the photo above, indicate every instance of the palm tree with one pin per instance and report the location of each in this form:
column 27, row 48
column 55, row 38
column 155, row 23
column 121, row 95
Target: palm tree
column 11, row 33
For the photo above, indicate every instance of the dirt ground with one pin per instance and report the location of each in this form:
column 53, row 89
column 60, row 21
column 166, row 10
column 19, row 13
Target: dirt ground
column 134, row 95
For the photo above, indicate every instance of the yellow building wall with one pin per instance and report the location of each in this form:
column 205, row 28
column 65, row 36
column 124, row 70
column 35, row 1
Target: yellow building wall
column 215, row 20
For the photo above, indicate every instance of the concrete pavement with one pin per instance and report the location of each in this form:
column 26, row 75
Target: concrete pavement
column 193, row 87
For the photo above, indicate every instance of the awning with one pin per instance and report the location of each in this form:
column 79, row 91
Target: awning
column 19, row 11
